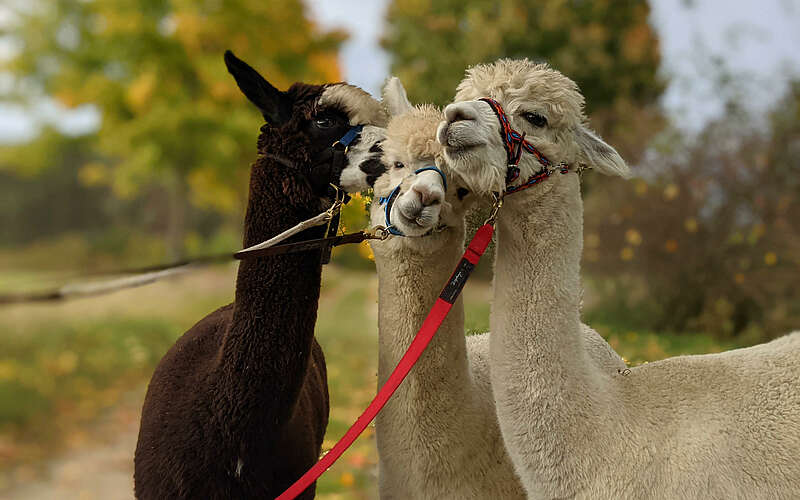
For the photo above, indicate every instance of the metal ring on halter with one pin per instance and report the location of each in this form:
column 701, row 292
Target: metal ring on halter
column 338, row 202
column 348, row 138
column 377, row 233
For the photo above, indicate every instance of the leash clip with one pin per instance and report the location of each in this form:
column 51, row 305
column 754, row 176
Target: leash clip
column 377, row 233
column 498, row 202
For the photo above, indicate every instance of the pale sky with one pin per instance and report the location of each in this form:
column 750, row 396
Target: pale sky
column 758, row 40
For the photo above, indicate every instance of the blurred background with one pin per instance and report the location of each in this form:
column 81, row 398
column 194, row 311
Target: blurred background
column 123, row 141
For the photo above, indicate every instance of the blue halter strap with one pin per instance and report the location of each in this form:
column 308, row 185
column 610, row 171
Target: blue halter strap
column 349, row 137
column 388, row 201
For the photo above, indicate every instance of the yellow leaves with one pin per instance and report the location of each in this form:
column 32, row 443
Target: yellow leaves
column 633, row 237
column 347, row 479
column 365, row 250
column 626, row 254
column 140, row 92
column 640, row 188
column 690, row 224
column 770, row 258
column 592, row 240
column 93, row 174
column 67, row 98
column 671, row 246
column 756, row 233
column 209, row 191
column 65, row 363
column 671, row 192
column 8, row 369
column 738, row 278
column 189, row 30
column 441, row 22
column 636, row 43
column 224, row 91
column 327, row 65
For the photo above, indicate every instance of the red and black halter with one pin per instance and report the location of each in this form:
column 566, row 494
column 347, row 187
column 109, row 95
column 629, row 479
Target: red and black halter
column 514, row 143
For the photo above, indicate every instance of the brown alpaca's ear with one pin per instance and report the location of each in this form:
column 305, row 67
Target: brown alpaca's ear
column 595, row 153
column 273, row 103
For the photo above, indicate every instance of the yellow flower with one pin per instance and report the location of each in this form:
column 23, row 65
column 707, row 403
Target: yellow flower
column 690, row 224
column 640, row 188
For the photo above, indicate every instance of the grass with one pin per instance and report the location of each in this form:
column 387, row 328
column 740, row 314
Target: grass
column 63, row 365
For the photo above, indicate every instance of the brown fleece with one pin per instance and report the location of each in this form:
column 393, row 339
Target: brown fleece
column 238, row 407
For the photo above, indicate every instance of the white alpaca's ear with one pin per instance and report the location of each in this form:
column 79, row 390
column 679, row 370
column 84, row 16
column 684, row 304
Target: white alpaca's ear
column 595, row 153
column 395, row 98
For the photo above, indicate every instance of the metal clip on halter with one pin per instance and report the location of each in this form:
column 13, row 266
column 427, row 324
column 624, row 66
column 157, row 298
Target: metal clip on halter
column 498, row 202
column 377, row 233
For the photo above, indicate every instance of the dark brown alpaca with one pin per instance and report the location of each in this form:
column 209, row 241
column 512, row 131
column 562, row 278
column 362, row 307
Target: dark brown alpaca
column 238, row 407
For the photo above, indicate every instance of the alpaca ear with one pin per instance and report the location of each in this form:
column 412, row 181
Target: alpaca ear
column 595, row 153
column 395, row 98
column 273, row 103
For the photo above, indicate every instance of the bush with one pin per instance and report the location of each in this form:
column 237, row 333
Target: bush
column 709, row 237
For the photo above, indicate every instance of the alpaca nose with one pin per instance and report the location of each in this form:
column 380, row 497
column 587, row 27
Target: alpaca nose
column 457, row 112
column 428, row 194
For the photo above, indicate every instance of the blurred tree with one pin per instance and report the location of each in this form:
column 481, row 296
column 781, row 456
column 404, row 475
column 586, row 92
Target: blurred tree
column 171, row 115
column 607, row 47
column 711, row 241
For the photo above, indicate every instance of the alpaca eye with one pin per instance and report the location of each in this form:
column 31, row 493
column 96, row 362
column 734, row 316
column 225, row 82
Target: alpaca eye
column 535, row 119
column 399, row 164
column 461, row 193
column 323, row 122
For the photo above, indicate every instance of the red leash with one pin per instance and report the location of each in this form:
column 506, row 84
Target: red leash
column 443, row 304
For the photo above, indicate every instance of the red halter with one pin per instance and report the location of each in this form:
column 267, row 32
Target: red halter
column 514, row 143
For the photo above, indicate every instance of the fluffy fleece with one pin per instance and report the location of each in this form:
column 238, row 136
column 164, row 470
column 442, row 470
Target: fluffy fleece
column 238, row 407
column 711, row 426
column 438, row 436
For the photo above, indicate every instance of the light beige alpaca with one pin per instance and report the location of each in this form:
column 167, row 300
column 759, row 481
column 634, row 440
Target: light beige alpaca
column 438, row 436
column 711, row 426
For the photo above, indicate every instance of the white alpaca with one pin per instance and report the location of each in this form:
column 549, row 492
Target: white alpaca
column 438, row 436
column 711, row 426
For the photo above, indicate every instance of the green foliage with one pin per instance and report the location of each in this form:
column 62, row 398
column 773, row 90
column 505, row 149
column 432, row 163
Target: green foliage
column 607, row 47
column 171, row 115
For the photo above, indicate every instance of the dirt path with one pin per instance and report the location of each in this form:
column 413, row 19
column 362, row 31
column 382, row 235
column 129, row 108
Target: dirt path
column 100, row 467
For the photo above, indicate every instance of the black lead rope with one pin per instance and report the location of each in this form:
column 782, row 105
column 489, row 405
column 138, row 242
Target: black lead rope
column 145, row 275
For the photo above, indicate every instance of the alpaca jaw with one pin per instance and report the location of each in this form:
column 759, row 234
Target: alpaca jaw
column 418, row 208
column 470, row 136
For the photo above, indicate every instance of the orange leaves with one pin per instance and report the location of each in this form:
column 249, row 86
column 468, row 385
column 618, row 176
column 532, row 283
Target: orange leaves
column 327, row 65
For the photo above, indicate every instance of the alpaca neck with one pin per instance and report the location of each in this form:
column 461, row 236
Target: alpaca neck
column 408, row 285
column 265, row 351
column 537, row 347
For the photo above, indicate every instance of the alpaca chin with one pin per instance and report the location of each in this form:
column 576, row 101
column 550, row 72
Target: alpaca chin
column 474, row 168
